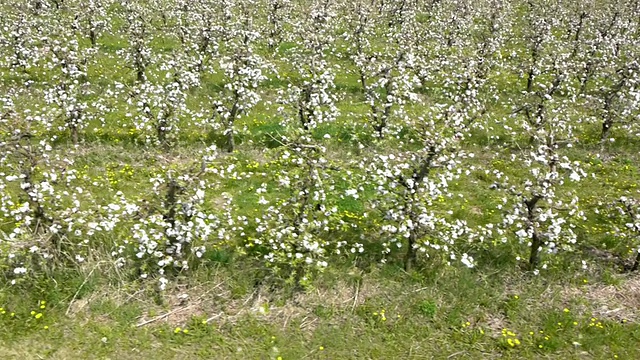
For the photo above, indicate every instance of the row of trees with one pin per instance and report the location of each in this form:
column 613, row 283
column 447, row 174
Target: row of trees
column 426, row 79
column 526, row 57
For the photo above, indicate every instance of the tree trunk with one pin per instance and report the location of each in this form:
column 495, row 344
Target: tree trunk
column 140, row 75
column 230, row 140
column 636, row 263
column 161, row 132
column 606, row 129
column 363, row 82
column 232, row 118
column 607, row 123
column 534, row 257
column 536, row 241
column 410, row 256
column 74, row 134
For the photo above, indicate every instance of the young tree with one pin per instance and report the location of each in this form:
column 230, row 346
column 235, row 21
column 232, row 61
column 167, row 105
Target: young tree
column 91, row 19
column 312, row 92
column 243, row 73
column 548, row 94
column 44, row 203
column 385, row 75
column 627, row 209
column 198, row 33
column 159, row 107
column 172, row 225
column 291, row 232
column 537, row 206
column 278, row 15
column 70, row 94
column 413, row 183
column 139, row 31
column 19, row 43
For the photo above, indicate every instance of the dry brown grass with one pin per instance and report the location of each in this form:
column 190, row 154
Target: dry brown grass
column 612, row 302
column 214, row 303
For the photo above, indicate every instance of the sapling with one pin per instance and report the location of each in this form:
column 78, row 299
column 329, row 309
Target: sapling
column 629, row 210
column 604, row 52
column 19, row 42
column 43, row 203
column 173, row 225
column 311, row 95
column 197, row 32
column 412, row 183
column 538, row 32
column 91, row 19
column 596, row 29
column 278, row 14
column 243, row 73
column 385, row 76
column 538, row 207
column 138, row 29
column 618, row 101
column 291, row 232
column 159, row 108
column 71, row 89
column 548, row 91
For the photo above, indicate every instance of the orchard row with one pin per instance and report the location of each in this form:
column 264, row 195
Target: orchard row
column 306, row 133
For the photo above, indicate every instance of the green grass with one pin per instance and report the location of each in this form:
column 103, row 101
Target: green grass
column 383, row 313
column 360, row 308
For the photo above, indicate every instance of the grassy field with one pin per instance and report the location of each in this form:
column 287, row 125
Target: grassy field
column 382, row 313
column 77, row 300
